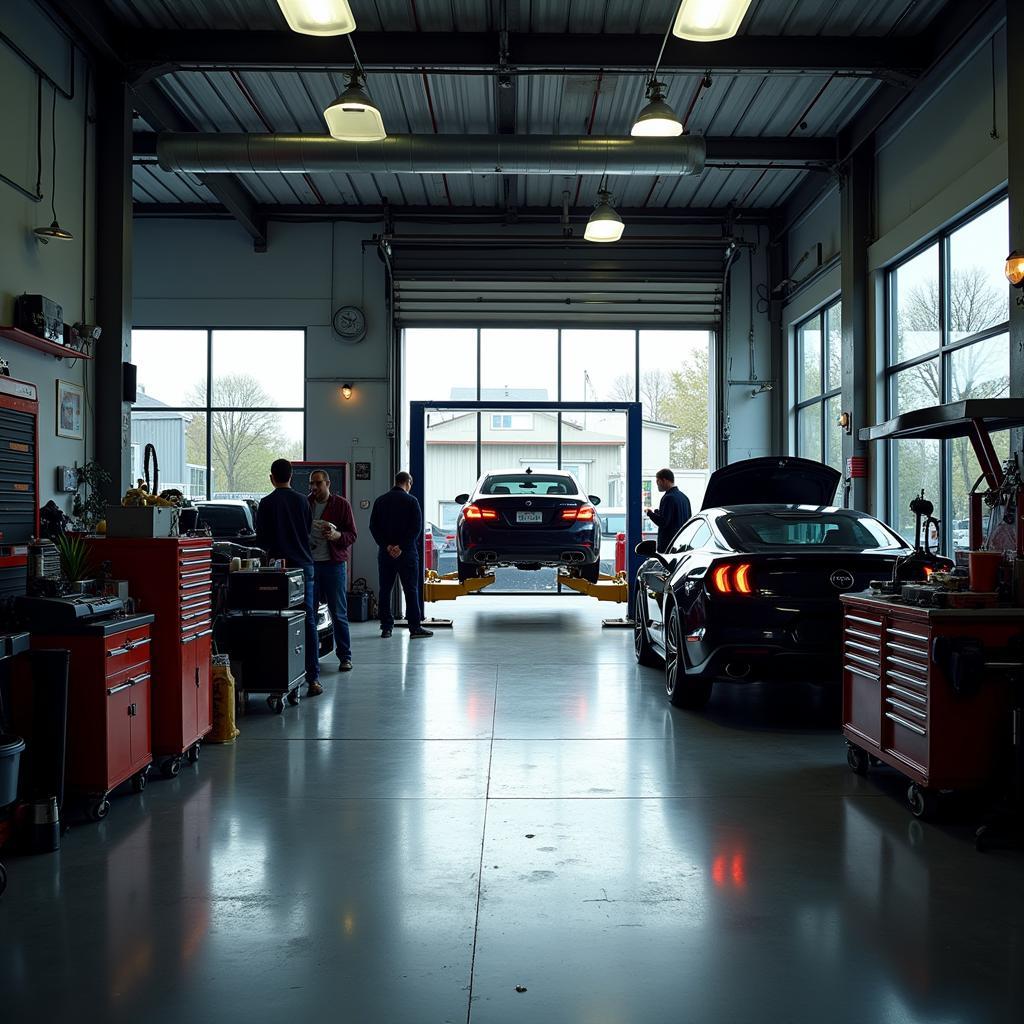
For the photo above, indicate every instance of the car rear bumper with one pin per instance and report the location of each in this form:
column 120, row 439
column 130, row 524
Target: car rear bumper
column 573, row 546
column 758, row 662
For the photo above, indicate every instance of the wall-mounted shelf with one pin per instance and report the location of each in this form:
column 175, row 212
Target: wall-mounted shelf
column 32, row 341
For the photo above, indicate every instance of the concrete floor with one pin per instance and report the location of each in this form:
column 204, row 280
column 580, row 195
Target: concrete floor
column 514, row 803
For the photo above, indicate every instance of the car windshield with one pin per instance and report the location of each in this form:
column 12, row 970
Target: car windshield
column 527, row 483
column 224, row 519
column 810, row 529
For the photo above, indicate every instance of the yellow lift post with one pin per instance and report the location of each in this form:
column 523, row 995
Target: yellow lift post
column 607, row 588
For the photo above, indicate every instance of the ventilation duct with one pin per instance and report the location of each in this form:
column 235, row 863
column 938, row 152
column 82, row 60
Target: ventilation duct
column 215, row 153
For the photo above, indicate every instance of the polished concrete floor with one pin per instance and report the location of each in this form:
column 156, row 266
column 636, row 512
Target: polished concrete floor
column 514, row 805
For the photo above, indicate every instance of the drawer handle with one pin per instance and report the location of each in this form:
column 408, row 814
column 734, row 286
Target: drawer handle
column 907, row 694
column 867, row 622
column 138, row 680
column 128, row 646
column 861, row 647
column 909, row 636
column 117, row 689
column 863, row 636
column 916, row 712
column 912, row 652
column 912, row 666
column 903, row 678
column 196, row 636
column 906, row 724
column 864, row 661
column 193, row 575
column 196, row 561
column 853, row 670
column 193, row 586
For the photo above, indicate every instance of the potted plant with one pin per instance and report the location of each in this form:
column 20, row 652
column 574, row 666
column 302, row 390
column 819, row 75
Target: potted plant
column 75, row 563
column 92, row 507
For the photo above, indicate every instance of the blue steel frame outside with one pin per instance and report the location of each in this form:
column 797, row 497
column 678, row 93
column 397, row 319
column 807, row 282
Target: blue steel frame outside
column 634, row 455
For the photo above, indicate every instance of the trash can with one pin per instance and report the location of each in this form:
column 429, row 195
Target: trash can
column 10, row 757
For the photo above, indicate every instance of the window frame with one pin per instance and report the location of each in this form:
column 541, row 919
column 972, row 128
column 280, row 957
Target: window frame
column 826, row 393
column 943, row 353
column 209, row 408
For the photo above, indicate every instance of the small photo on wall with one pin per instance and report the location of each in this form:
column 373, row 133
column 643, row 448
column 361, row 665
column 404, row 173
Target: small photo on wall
column 70, row 406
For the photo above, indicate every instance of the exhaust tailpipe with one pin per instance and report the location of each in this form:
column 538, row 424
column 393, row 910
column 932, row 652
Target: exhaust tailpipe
column 737, row 670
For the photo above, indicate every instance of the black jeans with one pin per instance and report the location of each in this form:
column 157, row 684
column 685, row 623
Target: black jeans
column 407, row 568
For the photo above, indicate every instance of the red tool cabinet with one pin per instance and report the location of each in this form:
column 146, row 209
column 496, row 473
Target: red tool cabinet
column 899, row 707
column 171, row 578
column 109, row 705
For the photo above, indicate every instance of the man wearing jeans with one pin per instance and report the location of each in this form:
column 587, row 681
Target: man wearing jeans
column 331, row 538
column 282, row 529
column 396, row 523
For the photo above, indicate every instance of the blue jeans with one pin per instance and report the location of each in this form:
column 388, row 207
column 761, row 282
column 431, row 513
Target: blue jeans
column 332, row 589
column 309, row 606
column 407, row 568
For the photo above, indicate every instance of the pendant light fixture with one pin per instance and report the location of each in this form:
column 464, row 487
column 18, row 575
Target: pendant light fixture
column 707, row 21
column 657, row 119
column 353, row 116
column 53, row 232
column 318, row 17
column 604, row 225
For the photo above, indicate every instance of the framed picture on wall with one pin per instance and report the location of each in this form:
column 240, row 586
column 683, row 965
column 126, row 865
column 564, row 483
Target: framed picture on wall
column 70, row 409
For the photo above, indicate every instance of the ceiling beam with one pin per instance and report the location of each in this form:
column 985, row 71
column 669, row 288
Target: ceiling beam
column 150, row 53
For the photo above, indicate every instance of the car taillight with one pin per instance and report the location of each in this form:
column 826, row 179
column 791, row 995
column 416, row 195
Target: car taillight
column 476, row 512
column 732, row 579
column 583, row 514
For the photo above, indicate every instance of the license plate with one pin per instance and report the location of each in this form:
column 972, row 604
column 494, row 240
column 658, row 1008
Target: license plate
column 529, row 517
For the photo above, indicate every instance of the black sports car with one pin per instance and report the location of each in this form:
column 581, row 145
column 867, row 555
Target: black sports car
column 751, row 591
column 529, row 520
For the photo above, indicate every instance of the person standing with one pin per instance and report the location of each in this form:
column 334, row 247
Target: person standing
column 282, row 530
column 331, row 539
column 674, row 510
column 396, row 523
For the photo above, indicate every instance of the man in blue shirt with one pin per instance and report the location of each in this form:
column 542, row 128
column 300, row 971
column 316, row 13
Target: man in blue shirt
column 674, row 510
column 396, row 523
column 282, row 528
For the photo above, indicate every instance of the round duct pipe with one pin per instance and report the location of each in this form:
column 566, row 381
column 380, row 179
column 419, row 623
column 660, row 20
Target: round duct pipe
column 219, row 153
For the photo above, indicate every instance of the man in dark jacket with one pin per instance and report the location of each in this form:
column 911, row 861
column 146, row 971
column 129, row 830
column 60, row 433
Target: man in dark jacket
column 282, row 530
column 396, row 523
column 674, row 510
column 331, row 539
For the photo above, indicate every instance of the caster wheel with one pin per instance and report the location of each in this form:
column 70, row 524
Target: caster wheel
column 193, row 753
column 276, row 704
column 99, row 809
column 171, row 767
column 924, row 803
column 139, row 781
column 3, row 879
column 857, row 759
column 293, row 697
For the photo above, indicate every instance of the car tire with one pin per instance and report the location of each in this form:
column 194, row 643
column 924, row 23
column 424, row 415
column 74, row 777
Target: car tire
column 590, row 573
column 467, row 571
column 645, row 653
column 683, row 690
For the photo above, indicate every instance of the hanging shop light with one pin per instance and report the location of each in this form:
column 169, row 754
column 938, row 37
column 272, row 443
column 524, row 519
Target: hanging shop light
column 318, row 17
column 605, row 225
column 706, row 21
column 53, row 232
column 657, row 119
column 353, row 116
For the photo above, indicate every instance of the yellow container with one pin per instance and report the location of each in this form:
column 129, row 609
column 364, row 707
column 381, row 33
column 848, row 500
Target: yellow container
column 224, row 730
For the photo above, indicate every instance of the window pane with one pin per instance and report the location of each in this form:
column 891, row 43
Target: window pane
column 809, row 433
column 172, row 367
column 915, row 466
column 180, row 441
column 833, row 434
column 598, row 366
column 917, row 387
column 915, row 305
column 809, row 359
column 255, row 369
column 834, row 343
column 978, row 296
column 244, row 444
column 519, row 365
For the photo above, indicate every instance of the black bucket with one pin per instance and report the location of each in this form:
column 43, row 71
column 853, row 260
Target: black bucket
column 10, row 756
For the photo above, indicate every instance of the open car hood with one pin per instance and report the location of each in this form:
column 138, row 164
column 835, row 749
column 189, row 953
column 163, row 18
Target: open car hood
column 773, row 480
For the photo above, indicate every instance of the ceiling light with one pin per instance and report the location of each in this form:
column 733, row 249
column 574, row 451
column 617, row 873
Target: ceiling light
column 1014, row 268
column 706, row 21
column 353, row 116
column 53, row 233
column 657, row 119
column 346, row 391
column 318, row 17
column 605, row 225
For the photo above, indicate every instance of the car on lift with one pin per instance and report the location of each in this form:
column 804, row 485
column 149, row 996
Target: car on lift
column 529, row 520
column 751, row 591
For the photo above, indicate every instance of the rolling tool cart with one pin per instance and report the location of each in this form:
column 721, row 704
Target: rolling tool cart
column 108, row 706
column 268, row 654
column 172, row 578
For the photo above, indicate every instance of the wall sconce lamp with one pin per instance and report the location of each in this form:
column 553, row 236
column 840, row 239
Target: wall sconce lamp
column 346, row 391
column 845, row 420
column 1014, row 271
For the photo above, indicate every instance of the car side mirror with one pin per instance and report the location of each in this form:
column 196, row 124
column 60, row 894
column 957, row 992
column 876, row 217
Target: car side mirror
column 461, row 498
column 647, row 548
column 594, row 499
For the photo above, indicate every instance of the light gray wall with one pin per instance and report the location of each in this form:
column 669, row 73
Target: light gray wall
column 62, row 271
column 204, row 273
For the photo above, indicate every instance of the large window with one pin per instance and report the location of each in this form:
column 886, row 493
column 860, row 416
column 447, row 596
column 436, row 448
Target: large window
column 219, row 406
column 818, row 362
column 948, row 313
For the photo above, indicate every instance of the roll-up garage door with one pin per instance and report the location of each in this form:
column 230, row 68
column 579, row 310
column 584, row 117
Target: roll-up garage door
column 557, row 282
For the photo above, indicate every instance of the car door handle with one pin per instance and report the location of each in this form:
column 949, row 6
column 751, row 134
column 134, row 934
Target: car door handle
column 656, row 582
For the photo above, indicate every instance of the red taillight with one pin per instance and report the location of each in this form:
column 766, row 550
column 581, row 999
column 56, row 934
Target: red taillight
column 728, row 579
column 928, row 570
column 476, row 512
column 583, row 514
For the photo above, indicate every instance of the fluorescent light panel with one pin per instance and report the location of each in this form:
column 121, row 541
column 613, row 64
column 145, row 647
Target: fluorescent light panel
column 318, row 17
column 706, row 21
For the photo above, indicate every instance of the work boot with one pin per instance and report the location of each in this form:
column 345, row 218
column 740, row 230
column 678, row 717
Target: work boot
column 345, row 665
column 313, row 688
column 416, row 634
column 385, row 634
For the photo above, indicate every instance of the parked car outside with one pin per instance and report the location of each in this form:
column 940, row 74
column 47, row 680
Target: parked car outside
column 751, row 591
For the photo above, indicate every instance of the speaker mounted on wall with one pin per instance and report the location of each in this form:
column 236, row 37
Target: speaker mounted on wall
column 130, row 380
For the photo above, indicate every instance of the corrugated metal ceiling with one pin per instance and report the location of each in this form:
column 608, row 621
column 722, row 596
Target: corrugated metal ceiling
column 735, row 105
